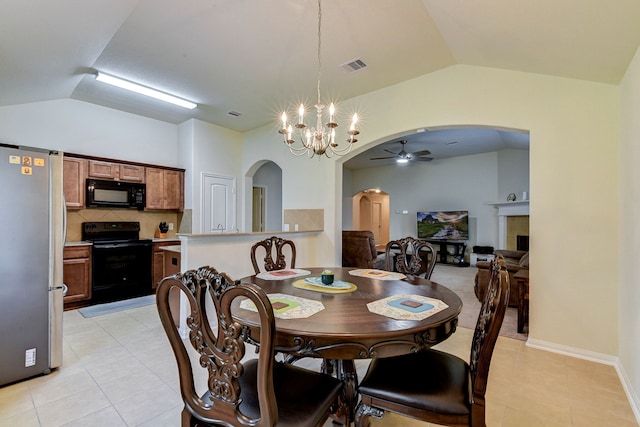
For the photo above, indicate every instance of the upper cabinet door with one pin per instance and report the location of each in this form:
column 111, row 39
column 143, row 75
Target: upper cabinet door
column 74, row 177
column 103, row 170
column 165, row 189
column 132, row 173
column 174, row 190
column 116, row 171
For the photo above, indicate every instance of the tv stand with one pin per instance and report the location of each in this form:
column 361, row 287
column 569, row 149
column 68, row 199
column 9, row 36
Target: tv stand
column 443, row 256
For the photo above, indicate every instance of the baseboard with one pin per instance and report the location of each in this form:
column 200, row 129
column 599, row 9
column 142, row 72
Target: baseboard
column 593, row 356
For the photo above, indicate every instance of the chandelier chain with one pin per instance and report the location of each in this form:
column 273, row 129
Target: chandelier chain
column 319, row 47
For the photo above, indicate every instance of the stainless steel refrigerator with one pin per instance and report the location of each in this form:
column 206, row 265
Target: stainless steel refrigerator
column 32, row 223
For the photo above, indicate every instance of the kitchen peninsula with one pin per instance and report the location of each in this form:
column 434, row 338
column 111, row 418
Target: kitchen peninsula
column 230, row 252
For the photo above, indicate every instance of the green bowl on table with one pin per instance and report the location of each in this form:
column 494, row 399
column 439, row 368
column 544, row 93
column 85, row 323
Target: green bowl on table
column 327, row 277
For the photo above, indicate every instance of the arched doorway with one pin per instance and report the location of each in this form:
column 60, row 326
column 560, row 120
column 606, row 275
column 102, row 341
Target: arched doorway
column 371, row 212
column 265, row 191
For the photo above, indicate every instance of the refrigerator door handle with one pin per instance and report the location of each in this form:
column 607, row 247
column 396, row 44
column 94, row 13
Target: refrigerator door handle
column 64, row 288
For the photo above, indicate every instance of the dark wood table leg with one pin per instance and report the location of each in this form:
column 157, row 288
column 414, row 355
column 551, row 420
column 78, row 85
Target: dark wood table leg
column 346, row 371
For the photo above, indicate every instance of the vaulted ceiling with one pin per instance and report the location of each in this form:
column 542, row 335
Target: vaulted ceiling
column 256, row 57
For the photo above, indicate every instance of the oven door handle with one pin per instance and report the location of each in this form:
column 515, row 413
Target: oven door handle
column 120, row 245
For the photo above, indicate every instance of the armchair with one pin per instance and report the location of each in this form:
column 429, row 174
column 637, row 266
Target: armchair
column 514, row 260
column 359, row 250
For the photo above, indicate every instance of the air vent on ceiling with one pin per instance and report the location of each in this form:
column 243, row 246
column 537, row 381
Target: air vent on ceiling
column 355, row 65
column 234, row 113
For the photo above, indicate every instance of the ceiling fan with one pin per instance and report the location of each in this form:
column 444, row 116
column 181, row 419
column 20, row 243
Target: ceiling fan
column 404, row 157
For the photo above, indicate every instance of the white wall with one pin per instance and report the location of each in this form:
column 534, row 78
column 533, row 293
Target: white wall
column 629, row 204
column 212, row 149
column 513, row 173
column 572, row 175
column 306, row 184
column 83, row 128
column 459, row 183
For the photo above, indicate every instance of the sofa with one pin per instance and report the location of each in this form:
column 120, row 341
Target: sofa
column 514, row 260
column 359, row 250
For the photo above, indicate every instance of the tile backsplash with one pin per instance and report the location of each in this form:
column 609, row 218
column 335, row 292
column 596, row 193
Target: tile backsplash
column 306, row 219
column 148, row 221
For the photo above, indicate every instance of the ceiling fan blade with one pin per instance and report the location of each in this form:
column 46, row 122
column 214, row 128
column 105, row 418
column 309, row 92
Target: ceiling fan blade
column 381, row 158
column 423, row 159
column 390, row 152
column 421, row 153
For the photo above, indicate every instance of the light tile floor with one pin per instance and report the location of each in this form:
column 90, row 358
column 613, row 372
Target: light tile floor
column 119, row 371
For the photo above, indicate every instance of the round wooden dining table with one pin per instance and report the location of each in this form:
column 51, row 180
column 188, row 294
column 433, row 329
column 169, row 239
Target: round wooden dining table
column 345, row 329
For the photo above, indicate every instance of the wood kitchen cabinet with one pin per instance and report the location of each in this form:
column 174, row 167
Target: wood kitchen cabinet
column 77, row 273
column 165, row 189
column 115, row 171
column 165, row 263
column 74, row 176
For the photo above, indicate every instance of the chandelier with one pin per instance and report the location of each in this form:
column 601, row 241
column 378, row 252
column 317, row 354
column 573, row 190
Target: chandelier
column 320, row 139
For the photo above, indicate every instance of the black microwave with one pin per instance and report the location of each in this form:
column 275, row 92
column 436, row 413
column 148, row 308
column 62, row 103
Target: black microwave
column 115, row 194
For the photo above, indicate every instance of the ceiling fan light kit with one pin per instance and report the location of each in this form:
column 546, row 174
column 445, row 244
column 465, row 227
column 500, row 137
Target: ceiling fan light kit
column 403, row 157
column 321, row 139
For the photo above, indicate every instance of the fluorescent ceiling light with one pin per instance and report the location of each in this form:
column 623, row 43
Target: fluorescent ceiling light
column 143, row 90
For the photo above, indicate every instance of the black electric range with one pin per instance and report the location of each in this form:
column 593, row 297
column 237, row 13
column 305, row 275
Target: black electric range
column 121, row 262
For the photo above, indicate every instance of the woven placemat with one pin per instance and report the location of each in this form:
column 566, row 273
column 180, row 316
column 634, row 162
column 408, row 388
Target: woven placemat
column 302, row 284
column 407, row 307
column 288, row 306
column 377, row 274
column 289, row 273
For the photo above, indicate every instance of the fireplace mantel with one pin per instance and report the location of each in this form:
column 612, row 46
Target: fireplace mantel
column 505, row 209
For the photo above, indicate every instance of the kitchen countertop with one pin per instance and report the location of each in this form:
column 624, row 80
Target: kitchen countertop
column 80, row 243
column 173, row 248
column 155, row 240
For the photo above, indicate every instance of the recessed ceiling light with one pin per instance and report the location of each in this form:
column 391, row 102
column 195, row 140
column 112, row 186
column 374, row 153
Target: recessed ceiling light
column 143, row 90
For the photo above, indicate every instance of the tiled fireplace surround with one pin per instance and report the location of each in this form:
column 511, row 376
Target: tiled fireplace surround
column 513, row 220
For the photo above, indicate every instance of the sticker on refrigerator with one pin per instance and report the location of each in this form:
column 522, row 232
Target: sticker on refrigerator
column 38, row 162
column 30, row 357
column 26, row 161
column 27, row 170
column 15, row 160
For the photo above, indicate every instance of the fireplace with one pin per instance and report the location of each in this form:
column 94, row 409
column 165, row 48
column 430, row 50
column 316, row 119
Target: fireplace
column 505, row 210
column 522, row 243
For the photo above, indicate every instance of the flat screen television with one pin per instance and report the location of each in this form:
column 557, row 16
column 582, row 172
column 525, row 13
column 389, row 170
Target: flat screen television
column 443, row 225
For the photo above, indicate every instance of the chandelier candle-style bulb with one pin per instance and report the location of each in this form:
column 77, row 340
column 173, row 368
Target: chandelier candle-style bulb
column 300, row 124
column 332, row 111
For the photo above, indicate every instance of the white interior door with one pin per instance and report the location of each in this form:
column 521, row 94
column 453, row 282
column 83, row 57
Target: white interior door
column 218, row 203
column 258, row 211
column 376, row 223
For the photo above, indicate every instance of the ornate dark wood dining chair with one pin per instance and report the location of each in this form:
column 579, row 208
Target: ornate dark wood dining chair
column 434, row 386
column 400, row 256
column 239, row 391
column 269, row 245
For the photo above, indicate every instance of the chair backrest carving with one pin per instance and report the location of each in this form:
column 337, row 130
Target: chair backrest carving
column 487, row 330
column 221, row 351
column 401, row 256
column 269, row 245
